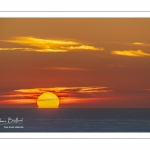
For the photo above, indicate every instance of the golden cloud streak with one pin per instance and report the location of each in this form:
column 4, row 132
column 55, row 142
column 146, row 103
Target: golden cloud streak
column 13, row 49
column 48, row 45
column 130, row 44
column 33, row 49
column 134, row 53
column 34, row 90
column 93, row 89
column 37, row 42
column 49, row 50
column 138, row 43
column 84, row 47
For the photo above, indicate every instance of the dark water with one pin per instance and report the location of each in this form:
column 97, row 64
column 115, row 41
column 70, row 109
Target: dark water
column 76, row 120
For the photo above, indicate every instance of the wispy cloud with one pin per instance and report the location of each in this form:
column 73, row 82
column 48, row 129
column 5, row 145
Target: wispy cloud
column 132, row 53
column 120, row 66
column 94, row 89
column 141, row 44
column 135, row 44
column 147, row 89
column 64, row 68
column 84, row 47
column 49, row 45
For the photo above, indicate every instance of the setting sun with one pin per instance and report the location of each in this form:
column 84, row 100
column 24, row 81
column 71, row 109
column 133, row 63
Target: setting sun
column 48, row 100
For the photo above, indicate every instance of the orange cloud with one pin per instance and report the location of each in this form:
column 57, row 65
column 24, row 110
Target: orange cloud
column 63, row 68
column 147, row 89
column 134, row 53
column 49, row 45
column 66, row 95
column 15, row 95
column 120, row 66
column 18, row 101
column 61, row 89
column 74, row 100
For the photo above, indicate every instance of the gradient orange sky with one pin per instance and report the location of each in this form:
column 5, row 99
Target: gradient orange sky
column 86, row 62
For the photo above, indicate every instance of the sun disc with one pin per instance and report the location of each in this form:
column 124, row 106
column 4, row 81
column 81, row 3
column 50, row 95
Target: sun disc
column 48, row 100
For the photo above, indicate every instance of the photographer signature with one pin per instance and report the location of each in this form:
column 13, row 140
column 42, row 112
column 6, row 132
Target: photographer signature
column 11, row 121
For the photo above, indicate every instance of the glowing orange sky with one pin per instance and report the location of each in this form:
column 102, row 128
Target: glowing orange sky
column 86, row 62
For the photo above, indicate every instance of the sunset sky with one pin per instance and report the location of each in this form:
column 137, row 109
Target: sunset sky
column 86, row 62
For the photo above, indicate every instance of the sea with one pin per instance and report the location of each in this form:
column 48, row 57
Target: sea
column 75, row 120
